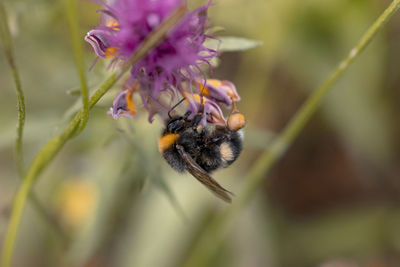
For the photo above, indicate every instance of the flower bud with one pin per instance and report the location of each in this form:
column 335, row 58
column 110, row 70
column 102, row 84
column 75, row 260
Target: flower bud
column 236, row 121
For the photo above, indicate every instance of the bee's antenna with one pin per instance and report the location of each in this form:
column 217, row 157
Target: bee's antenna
column 177, row 104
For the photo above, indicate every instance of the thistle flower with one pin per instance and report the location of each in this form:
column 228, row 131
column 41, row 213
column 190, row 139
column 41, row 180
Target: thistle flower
column 171, row 68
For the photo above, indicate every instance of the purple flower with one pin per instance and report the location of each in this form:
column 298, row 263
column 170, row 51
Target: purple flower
column 213, row 113
column 123, row 105
column 223, row 92
column 171, row 68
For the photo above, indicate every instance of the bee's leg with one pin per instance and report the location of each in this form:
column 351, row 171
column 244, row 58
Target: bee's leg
column 199, row 116
column 196, row 120
column 186, row 115
column 177, row 125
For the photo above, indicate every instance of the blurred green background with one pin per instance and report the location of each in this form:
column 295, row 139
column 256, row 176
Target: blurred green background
column 331, row 201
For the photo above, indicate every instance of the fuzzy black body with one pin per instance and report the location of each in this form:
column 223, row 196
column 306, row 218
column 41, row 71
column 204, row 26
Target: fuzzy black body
column 186, row 146
column 210, row 148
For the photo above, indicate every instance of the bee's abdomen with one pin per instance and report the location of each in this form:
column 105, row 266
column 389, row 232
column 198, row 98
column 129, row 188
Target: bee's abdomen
column 172, row 156
column 231, row 149
column 166, row 146
column 209, row 158
column 227, row 153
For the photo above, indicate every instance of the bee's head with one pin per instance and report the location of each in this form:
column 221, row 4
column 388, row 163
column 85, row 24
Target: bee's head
column 175, row 124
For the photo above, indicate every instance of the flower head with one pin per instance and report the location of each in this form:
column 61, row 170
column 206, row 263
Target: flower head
column 171, row 68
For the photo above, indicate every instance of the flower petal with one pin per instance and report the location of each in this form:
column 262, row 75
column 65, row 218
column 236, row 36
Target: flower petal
column 220, row 91
column 212, row 111
column 98, row 39
column 123, row 105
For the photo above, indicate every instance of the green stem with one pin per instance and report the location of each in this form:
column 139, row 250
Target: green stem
column 216, row 231
column 50, row 150
column 8, row 51
column 76, row 41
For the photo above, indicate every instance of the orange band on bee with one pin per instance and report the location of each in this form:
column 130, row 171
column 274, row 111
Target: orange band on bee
column 165, row 141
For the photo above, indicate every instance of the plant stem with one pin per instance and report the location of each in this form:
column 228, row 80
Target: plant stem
column 50, row 150
column 76, row 41
column 9, row 53
column 217, row 229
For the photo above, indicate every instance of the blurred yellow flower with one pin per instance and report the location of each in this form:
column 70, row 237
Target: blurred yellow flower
column 76, row 200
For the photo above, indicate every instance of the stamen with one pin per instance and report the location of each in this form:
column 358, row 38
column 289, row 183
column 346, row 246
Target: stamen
column 111, row 52
column 203, row 89
column 130, row 106
column 113, row 24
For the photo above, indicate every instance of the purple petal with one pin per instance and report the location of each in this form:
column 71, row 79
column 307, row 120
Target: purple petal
column 98, row 40
column 223, row 92
column 213, row 113
column 121, row 107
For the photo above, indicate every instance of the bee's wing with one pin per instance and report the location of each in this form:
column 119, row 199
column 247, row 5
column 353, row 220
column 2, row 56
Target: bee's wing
column 203, row 177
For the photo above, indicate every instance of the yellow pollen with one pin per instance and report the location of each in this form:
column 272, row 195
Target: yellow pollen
column 215, row 83
column 112, row 23
column 111, row 52
column 195, row 97
column 236, row 121
column 129, row 103
column 203, row 90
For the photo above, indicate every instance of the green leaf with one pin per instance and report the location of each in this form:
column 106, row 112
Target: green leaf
column 231, row 43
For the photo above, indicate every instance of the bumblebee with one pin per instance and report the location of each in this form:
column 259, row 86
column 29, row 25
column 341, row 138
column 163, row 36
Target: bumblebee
column 187, row 146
